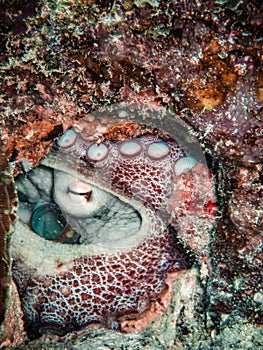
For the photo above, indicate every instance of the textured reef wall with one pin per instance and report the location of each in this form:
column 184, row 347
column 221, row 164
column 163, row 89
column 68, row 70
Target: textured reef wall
column 62, row 60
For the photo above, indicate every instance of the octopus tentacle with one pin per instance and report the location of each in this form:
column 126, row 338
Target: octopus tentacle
column 104, row 247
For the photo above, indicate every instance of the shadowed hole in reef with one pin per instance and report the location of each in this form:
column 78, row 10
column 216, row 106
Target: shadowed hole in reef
column 14, row 14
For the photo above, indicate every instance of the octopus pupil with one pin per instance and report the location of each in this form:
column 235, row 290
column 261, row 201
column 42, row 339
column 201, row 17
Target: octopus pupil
column 86, row 195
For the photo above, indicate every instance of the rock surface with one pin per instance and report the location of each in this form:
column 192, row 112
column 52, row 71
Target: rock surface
column 61, row 60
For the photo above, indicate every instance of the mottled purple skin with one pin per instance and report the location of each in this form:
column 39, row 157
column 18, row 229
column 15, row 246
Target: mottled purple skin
column 102, row 288
column 99, row 290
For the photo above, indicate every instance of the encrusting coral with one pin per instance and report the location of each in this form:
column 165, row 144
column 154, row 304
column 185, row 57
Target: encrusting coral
column 202, row 61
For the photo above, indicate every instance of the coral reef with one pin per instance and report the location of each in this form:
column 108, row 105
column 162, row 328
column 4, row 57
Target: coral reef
column 61, row 60
column 8, row 204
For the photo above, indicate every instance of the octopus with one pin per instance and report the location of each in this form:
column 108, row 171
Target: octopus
column 107, row 222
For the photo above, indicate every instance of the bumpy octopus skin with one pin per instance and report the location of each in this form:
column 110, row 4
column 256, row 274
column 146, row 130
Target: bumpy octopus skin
column 106, row 286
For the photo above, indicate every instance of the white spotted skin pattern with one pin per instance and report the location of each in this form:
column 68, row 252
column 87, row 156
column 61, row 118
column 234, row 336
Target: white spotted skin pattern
column 103, row 288
column 100, row 288
column 140, row 177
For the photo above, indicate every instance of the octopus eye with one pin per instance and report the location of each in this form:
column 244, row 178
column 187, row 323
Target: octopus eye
column 60, row 207
column 97, row 152
column 79, row 192
column 77, row 198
